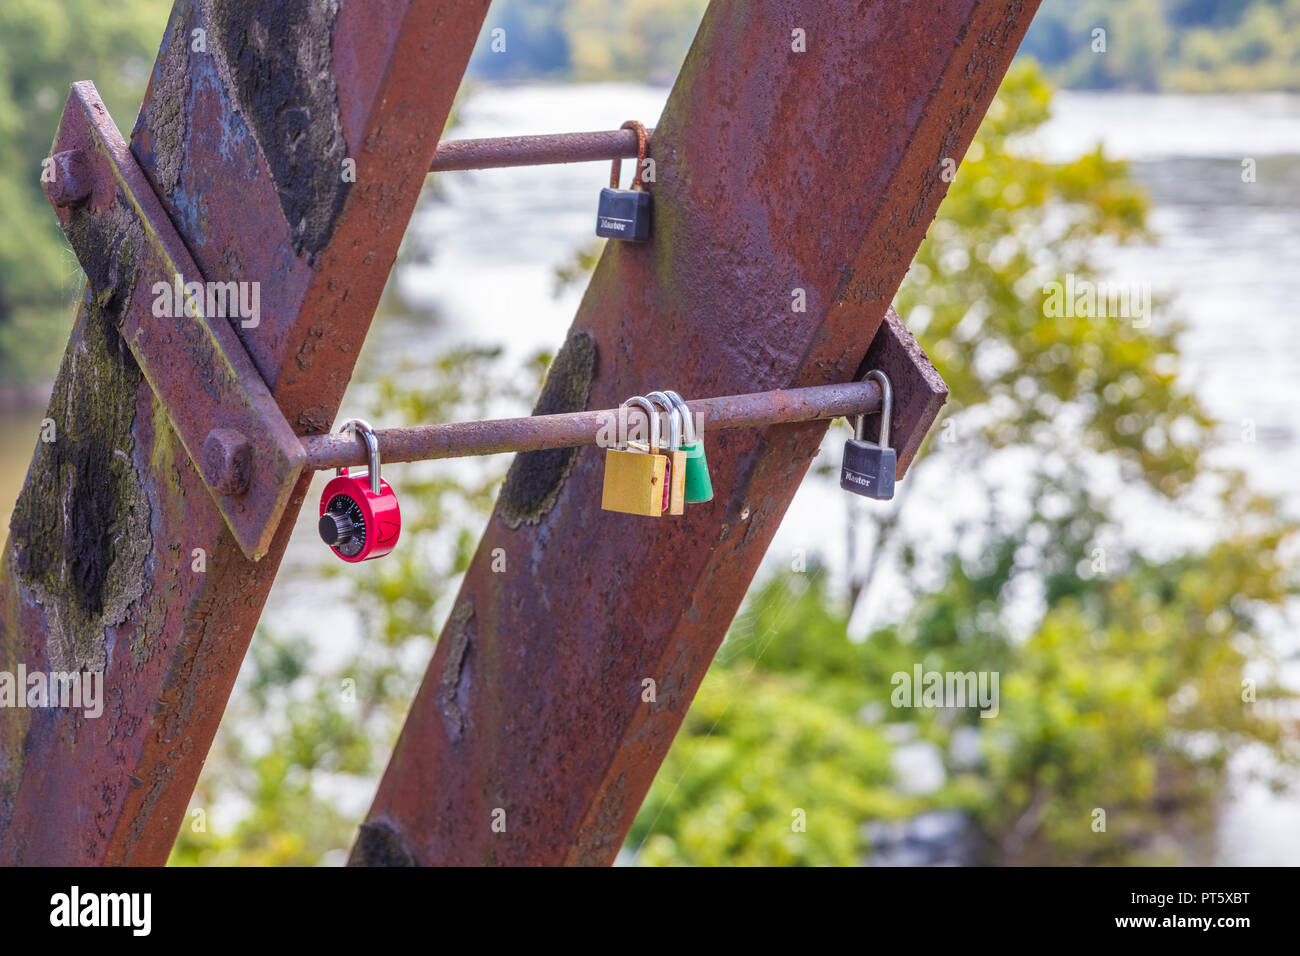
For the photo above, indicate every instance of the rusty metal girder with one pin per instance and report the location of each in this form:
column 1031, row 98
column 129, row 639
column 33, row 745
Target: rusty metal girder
column 243, row 141
column 214, row 398
column 529, row 741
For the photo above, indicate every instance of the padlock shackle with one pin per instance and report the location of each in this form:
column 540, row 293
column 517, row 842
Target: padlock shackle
column 674, row 418
column 367, row 433
column 688, row 420
column 886, row 407
column 642, row 141
column 651, row 416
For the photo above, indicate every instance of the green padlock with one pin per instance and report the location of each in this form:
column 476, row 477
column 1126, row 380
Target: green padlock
column 699, row 487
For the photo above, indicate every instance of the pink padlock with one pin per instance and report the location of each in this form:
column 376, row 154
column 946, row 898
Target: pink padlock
column 359, row 518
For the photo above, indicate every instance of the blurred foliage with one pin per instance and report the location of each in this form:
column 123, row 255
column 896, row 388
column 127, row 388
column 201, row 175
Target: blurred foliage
column 44, row 48
column 1189, row 45
column 643, row 40
column 534, row 39
column 1192, row 45
column 1009, row 226
column 1127, row 696
column 578, row 269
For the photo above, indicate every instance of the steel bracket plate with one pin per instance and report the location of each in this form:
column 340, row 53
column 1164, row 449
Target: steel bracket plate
column 919, row 391
column 213, row 395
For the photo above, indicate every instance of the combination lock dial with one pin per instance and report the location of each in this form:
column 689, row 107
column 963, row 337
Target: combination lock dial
column 343, row 526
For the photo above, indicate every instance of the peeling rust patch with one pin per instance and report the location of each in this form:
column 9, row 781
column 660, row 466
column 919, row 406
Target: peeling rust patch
column 535, row 478
column 450, row 696
column 276, row 60
column 315, row 420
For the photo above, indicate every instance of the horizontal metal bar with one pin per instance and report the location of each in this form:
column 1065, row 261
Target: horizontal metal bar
column 535, row 150
column 464, row 439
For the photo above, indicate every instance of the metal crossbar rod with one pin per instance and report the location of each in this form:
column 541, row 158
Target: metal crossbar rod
column 541, row 150
column 463, row 439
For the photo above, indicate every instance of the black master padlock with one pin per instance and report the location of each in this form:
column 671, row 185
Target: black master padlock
column 869, row 468
column 625, row 213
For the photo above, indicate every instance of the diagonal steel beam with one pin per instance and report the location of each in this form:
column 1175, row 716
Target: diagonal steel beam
column 530, row 741
column 287, row 141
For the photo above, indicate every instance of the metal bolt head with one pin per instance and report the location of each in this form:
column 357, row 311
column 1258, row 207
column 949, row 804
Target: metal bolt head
column 73, row 179
column 227, row 458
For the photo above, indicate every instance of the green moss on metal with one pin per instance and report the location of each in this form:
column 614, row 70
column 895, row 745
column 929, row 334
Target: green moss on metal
column 535, row 478
column 13, row 729
column 165, row 458
column 80, row 531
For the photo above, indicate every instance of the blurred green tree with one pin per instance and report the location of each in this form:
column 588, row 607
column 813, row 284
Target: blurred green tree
column 44, row 47
column 1192, row 45
column 646, row 39
column 643, row 40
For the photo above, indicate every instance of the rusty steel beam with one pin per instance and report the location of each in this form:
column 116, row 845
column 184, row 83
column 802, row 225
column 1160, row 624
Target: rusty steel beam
column 551, row 148
column 231, row 426
column 288, row 148
column 578, row 429
column 785, row 178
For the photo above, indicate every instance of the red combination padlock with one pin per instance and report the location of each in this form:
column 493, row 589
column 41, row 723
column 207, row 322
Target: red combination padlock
column 359, row 518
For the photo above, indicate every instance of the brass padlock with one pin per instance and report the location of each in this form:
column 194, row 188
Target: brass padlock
column 635, row 477
column 676, row 454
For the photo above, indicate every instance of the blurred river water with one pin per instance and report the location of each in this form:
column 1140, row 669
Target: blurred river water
column 485, row 245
